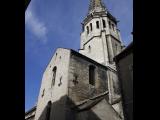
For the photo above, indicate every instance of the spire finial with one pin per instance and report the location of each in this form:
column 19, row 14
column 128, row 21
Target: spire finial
column 96, row 6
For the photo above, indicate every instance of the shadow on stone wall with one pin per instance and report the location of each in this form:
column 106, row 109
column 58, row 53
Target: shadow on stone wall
column 64, row 109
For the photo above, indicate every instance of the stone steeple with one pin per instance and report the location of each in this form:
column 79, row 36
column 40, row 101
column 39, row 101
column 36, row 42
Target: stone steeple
column 100, row 37
column 96, row 6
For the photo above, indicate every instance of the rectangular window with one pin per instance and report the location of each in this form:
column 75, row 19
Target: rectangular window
column 43, row 92
column 92, row 75
column 113, row 26
column 116, row 47
column 91, row 26
column 97, row 24
column 89, row 49
column 53, row 76
column 87, row 30
column 104, row 23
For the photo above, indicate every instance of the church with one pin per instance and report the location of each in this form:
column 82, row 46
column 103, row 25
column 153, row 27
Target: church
column 83, row 84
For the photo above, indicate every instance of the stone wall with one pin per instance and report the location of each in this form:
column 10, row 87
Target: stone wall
column 96, row 51
column 79, row 72
column 116, row 49
column 53, row 93
column 74, row 86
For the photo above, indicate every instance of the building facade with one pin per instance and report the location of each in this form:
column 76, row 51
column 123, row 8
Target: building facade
column 124, row 63
column 84, row 85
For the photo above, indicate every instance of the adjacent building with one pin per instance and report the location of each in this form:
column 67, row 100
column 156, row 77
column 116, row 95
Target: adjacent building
column 124, row 63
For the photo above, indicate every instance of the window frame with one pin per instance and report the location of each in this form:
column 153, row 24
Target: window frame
column 91, row 27
column 87, row 28
column 104, row 23
column 97, row 25
column 92, row 75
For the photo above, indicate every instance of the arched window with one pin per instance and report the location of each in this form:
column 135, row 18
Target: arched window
column 97, row 24
column 87, row 30
column 91, row 26
column 48, row 110
column 104, row 23
column 53, row 76
column 92, row 75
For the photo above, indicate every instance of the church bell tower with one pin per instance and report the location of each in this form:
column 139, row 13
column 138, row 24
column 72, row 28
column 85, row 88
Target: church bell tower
column 100, row 37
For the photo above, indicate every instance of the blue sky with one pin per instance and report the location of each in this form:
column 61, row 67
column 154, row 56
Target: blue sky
column 57, row 23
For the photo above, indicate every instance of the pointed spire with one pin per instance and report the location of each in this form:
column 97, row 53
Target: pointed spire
column 96, row 6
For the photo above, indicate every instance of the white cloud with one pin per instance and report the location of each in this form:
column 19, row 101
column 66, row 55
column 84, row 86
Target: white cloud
column 36, row 26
